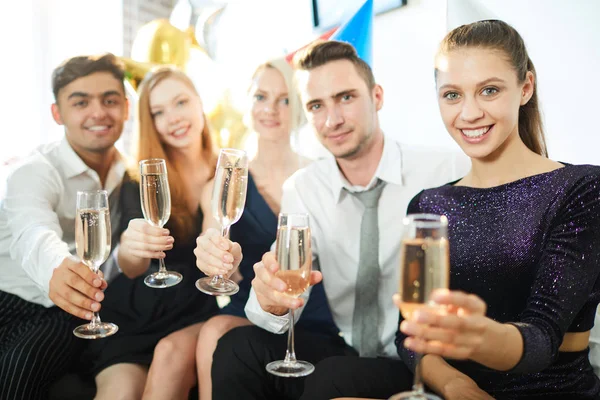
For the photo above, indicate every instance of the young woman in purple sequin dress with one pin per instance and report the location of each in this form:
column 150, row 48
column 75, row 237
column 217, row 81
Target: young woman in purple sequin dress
column 524, row 247
column 525, row 252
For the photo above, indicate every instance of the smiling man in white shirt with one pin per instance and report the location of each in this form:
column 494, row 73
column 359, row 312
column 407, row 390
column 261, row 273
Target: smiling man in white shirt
column 37, row 221
column 359, row 272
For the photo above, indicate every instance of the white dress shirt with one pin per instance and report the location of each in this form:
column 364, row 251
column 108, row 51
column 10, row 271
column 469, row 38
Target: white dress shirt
column 37, row 217
column 335, row 218
column 595, row 345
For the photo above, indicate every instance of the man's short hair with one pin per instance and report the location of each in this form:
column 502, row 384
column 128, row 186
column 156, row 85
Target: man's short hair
column 321, row 52
column 80, row 66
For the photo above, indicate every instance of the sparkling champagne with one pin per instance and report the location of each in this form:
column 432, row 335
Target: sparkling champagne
column 294, row 256
column 425, row 266
column 92, row 236
column 229, row 194
column 297, row 281
column 156, row 198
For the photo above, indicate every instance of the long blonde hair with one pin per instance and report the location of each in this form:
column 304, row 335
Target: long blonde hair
column 148, row 145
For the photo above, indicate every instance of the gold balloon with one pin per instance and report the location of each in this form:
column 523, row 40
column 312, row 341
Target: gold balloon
column 227, row 124
column 160, row 42
column 135, row 71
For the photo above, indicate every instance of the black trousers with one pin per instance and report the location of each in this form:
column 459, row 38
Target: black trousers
column 238, row 370
column 36, row 347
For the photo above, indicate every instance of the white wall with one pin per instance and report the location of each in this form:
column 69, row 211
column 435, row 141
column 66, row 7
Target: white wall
column 20, row 83
column 404, row 44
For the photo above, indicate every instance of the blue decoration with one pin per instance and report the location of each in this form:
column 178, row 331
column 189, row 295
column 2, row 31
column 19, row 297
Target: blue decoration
column 358, row 31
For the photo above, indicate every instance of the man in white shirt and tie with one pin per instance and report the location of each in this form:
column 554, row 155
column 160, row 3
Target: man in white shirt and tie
column 37, row 223
column 356, row 200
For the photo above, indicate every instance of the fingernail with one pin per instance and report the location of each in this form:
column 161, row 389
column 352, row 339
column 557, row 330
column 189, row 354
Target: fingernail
column 407, row 328
column 228, row 258
column 95, row 306
column 282, row 287
column 97, row 282
column 227, row 266
column 403, row 326
column 408, row 342
column 170, row 240
column 166, row 232
column 419, row 316
column 223, row 245
column 88, row 315
column 99, row 296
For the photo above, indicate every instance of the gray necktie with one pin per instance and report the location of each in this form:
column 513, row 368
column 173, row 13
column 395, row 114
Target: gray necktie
column 365, row 322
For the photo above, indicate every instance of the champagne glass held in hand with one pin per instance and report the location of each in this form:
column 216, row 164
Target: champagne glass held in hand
column 156, row 206
column 424, row 266
column 92, row 240
column 228, row 200
column 294, row 257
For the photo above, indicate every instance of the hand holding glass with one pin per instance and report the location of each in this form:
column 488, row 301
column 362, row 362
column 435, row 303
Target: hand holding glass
column 294, row 257
column 228, row 200
column 424, row 266
column 92, row 240
column 156, row 206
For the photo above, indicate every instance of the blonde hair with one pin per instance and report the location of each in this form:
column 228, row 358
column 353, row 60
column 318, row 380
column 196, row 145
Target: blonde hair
column 148, row 145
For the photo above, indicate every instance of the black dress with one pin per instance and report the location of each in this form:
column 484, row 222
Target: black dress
column 531, row 250
column 146, row 315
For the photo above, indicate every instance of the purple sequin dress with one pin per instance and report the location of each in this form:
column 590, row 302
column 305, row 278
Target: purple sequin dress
column 531, row 250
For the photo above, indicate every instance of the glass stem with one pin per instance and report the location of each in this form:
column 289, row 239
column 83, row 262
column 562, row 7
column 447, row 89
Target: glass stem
column 418, row 382
column 225, row 231
column 95, row 320
column 217, row 280
column 162, row 270
column 95, row 316
column 290, row 353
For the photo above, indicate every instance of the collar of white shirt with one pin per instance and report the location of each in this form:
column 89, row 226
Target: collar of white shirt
column 74, row 166
column 389, row 170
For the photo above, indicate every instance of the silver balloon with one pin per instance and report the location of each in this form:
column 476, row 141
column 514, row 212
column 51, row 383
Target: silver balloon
column 206, row 28
column 182, row 15
column 208, row 3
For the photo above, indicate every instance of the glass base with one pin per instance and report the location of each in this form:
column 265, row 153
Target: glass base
column 414, row 396
column 223, row 287
column 290, row 369
column 161, row 280
column 101, row 330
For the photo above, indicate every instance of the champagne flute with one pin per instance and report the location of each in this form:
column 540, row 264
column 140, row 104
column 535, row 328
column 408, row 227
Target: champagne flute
column 156, row 206
column 92, row 241
column 228, row 200
column 424, row 266
column 294, row 257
